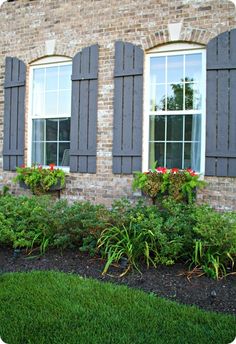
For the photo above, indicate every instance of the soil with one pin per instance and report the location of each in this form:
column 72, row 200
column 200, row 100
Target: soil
column 168, row 282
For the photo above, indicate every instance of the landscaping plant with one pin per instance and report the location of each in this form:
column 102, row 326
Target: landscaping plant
column 140, row 237
column 39, row 179
column 135, row 233
column 214, row 241
column 159, row 183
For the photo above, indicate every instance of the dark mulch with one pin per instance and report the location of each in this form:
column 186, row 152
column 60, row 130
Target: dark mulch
column 168, row 282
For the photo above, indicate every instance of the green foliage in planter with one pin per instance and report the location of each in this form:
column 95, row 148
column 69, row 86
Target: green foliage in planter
column 158, row 183
column 40, row 179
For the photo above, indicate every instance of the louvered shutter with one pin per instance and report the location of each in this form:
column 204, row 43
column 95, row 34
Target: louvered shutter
column 14, row 114
column 221, row 106
column 84, row 111
column 128, row 105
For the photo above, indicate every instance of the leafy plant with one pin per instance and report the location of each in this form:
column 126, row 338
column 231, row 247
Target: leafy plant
column 215, row 241
column 80, row 223
column 40, row 179
column 159, row 183
column 141, row 239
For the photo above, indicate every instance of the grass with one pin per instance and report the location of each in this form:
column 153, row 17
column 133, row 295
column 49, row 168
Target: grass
column 52, row 307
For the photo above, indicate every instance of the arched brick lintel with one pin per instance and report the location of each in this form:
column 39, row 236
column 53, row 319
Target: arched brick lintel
column 59, row 50
column 188, row 34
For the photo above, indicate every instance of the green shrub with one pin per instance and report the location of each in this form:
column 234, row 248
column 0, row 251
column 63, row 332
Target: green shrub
column 214, row 241
column 176, row 231
column 139, row 237
column 24, row 221
column 80, row 226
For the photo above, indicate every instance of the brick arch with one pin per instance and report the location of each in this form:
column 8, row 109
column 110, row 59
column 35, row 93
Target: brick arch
column 59, row 50
column 188, row 35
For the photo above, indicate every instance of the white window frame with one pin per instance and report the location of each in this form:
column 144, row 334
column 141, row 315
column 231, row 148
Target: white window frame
column 42, row 63
column 171, row 50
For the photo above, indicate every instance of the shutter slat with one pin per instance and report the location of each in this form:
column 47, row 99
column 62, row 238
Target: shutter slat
column 126, row 165
column 118, row 120
column 221, row 102
column 83, row 121
column 222, row 123
column 127, row 116
column 232, row 122
column 128, row 104
column 211, row 119
column 119, row 58
column 14, row 114
column 92, row 127
column 137, row 142
column 84, row 111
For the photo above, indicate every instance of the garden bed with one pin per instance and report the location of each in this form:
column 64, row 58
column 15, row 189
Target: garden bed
column 169, row 282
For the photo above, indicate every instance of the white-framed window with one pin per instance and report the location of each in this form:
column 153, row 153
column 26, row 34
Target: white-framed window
column 174, row 117
column 50, row 112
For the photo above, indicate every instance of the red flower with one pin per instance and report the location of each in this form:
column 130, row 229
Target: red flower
column 23, row 166
column 174, row 170
column 161, row 170
column 191, row 172
column 51, row 166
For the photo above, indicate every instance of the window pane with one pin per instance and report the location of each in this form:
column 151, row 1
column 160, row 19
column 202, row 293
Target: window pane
column 174, row 155
column 192, row 154
column 64, row 154
column 193, row 67
column 38, row 153
column 157, row 97
column 38, row 130
column 38, row 80
column 51, row 78
column 64, row 106
column 65, row 77
column 38, row 104
column 192, row 97
column 157, row 69
column 175, row 69
column 51, row 129
column 157, row 128
column 193, row 128
column 51, row 103
column 64, row 129
column 156, row 153
column 51, row 153
column 174, row 128
column 175, row 97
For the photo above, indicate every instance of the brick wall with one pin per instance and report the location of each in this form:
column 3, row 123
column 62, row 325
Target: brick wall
column 33, row 29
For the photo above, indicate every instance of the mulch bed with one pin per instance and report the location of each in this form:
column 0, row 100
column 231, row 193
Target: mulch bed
column 169, row 282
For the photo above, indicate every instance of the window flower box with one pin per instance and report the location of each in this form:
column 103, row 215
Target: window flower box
column 159, row 183
column 40, row 180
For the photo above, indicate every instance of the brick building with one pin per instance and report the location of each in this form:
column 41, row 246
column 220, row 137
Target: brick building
column 104, row 88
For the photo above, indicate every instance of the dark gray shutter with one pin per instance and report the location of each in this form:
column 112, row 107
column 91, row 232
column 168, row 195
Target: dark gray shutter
column 14, row 114
column 84, row 111
column 221, row 106
column 128, row 108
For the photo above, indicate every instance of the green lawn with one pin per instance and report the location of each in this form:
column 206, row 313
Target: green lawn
column 52, row 307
